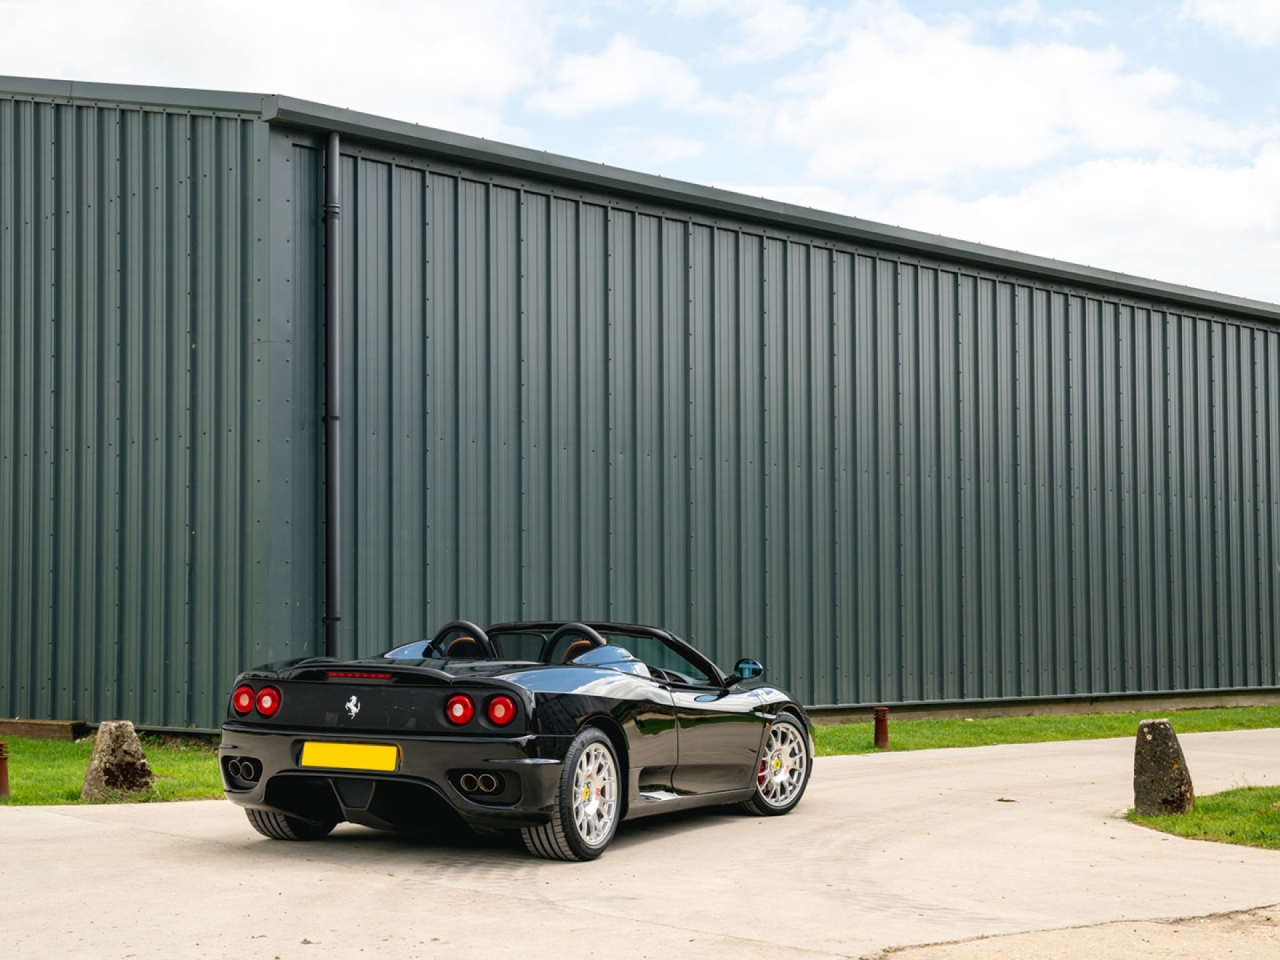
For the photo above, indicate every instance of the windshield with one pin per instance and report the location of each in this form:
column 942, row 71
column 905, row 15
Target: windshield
column 664, row 662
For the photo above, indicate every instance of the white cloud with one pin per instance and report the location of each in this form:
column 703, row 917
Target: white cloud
column 664, row 149
column 905, row 100
column 637, row 148
column 1207, row 226
column 1256, row 22
column 765, row 29
column 621, row 75
column 1024, row 11
column 438, row 63
column 1029, row 13
column 1204, row 225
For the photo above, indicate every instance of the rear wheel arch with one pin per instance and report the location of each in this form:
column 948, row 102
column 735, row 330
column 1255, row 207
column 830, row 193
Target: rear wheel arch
column 586, row 808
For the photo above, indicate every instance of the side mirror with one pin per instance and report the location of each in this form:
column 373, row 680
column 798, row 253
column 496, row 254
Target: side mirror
column 746, row 669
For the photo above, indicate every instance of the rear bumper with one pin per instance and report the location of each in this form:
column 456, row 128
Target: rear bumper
column 426, row 777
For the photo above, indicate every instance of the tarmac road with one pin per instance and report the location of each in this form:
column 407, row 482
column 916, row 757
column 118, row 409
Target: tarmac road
column 885, row 852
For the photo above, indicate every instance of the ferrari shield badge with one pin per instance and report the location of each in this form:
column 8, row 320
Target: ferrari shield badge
column 353, row 707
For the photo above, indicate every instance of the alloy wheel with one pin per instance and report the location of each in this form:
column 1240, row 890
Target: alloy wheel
column 783, row 766
column 595, row 794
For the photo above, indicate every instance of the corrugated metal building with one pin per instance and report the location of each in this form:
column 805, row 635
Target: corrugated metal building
column 896, row 468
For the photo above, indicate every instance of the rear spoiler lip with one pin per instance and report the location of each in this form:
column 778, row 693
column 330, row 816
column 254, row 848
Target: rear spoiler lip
column 240, row 725
column 321, row 671
column 410, row 676
column 317, row 668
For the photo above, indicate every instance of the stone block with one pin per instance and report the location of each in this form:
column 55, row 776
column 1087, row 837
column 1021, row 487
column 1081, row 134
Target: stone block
column 1161, row 780
column 118, row 765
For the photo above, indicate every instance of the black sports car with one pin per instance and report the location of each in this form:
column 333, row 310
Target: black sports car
column 560, row 730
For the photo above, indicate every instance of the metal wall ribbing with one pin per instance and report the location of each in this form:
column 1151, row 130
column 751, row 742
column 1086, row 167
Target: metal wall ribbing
column 126, row 249
column 892, row 479
column 894, row 468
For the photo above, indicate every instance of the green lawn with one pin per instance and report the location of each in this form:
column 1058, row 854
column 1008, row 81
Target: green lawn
column 1247, row 816
column 52, row 771
column 929, row 734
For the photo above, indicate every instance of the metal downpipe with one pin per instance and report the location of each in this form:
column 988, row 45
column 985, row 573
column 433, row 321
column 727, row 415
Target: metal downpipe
column 332, row 401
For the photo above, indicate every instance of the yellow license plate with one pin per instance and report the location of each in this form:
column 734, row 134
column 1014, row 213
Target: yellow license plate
column 349, row 756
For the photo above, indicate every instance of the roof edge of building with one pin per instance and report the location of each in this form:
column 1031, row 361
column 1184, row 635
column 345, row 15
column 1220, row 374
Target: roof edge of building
column 182, row 98
column 524, row 161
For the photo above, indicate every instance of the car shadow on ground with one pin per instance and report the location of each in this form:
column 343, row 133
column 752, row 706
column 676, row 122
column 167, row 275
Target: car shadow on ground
column 456, row 843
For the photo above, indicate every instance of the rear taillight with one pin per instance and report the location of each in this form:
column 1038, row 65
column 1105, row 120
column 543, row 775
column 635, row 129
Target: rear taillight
column 242, row 699
column 268, row 701
column 501, row 710
column 460, row 709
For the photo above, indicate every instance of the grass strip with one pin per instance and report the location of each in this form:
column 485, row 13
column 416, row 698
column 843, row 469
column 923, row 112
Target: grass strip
column 52, row 771
column 1247, row 815
column 846, row 738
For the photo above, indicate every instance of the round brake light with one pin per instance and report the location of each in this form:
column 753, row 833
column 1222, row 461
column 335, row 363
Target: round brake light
column 460, row 709
column 242, row 699
column 268, row 701
column 501, row 710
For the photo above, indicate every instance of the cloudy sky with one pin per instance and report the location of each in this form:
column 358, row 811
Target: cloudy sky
column 1137, row 136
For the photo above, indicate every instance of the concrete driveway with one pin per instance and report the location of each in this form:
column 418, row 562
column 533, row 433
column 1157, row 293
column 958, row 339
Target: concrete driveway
column 885, row 851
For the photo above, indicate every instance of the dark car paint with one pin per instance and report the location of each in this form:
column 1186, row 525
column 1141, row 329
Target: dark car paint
column 681, row 744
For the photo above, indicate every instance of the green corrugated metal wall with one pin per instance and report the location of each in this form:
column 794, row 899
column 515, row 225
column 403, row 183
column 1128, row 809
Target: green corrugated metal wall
column 890, row 478
column 129, row 331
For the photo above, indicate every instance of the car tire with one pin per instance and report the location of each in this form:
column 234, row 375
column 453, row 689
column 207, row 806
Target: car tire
column 587, row 803
column 279, row 826
column 783, row 770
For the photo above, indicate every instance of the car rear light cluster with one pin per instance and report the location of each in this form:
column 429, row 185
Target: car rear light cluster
column 245, row 699
column 460, row 709
column 501, row 710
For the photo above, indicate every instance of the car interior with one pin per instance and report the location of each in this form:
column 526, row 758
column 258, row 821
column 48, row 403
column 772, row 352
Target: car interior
column 656, row 659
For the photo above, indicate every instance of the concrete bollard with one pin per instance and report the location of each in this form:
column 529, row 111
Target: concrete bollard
column 117, row 764
column 1161, row 780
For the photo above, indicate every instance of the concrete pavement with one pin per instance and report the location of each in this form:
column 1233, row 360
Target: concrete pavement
column 885, row 851
column 1248, row 935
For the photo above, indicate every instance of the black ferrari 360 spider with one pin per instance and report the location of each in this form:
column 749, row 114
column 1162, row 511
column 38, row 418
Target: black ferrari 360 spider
column 559, row 730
